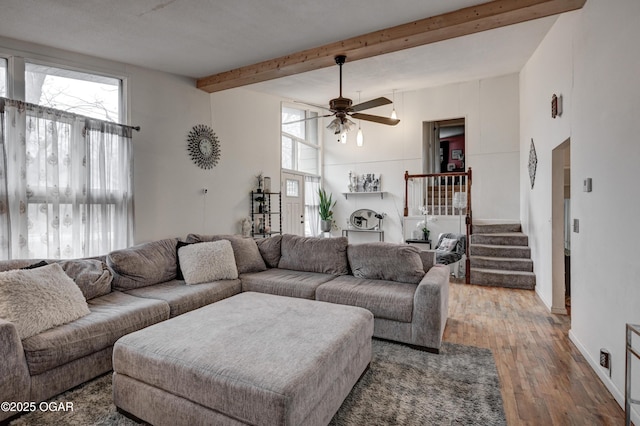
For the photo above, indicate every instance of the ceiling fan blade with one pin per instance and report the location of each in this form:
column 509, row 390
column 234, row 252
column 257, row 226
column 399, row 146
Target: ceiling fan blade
column 371, row 104
column 313, row 105
column 376, row 119
column 307, row 119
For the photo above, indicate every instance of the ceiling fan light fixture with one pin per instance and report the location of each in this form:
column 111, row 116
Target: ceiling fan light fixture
column 335, row 126
column 359, row 137
column 393, row 114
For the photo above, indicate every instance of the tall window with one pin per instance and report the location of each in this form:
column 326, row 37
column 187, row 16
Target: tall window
column 68, row 187
column 300, row 147
column 301, row 155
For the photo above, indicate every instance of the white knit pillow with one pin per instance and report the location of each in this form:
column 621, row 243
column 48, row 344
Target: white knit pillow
column 38, row 299
column 207, row 262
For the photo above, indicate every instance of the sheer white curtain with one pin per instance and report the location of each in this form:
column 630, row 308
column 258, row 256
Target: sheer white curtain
column 65, row 184
column 311, row 202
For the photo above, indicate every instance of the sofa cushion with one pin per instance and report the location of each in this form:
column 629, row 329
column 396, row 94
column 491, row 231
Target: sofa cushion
column 310, row 254
column 91, row 275
column 385, row 299
column 270, row 250
column 145, row 264
column 428, row 258
column 9, row 265
column 386, row 261
column 184, row 298
column 245, row 250
column 112, row 316
column 285, row 282
column 207, row 262
column 39, row 299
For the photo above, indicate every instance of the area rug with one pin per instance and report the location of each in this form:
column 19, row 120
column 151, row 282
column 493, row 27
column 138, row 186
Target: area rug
column 404, row 386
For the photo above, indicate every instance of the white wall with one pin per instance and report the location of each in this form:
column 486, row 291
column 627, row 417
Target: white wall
column 548, row 71
column 249, row 122
column 490, row 107
column 591, row 57
column 168, row 186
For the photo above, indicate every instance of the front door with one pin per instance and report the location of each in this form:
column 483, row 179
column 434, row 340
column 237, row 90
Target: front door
column 292, row 204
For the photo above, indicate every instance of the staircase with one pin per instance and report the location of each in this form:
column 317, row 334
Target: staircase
column 500, row 256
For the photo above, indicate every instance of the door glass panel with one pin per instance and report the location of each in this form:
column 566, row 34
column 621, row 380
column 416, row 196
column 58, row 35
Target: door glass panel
column 293, row 188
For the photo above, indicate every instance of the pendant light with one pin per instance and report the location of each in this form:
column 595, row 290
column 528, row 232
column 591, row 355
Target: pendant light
column 393, row 112
column 359, row 135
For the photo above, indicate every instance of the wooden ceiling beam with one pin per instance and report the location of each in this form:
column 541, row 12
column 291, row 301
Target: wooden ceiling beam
column 470, row 20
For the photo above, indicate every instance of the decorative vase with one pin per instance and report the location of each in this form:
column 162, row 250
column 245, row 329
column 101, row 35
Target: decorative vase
column 325, row 225
column 425, row 234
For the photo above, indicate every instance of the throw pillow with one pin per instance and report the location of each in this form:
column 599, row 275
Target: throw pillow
column 447, row 244
column 179, row 274
column 207, row 262
column 38, row 299
column 245, row 250
column 36, row 265
column 386, row 261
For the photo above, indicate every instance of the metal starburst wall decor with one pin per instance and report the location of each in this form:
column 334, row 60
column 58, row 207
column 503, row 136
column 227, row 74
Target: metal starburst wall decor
column 203, row 146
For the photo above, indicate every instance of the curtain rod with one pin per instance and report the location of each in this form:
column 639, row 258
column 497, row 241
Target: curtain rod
column 58, row 111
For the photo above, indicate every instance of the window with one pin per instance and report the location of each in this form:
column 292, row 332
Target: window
column 293, row 189
column 71, row 189
column 301, row 157
column 300, row 146
column 3, row 77
column 77, row 92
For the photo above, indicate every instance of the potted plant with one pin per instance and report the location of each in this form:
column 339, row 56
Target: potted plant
column 422, row 225
column 325, row 206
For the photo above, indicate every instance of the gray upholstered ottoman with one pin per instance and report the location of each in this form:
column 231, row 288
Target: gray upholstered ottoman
column 253, row 359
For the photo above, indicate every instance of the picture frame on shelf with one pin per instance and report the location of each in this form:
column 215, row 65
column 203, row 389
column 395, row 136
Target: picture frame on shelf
column 451, row 167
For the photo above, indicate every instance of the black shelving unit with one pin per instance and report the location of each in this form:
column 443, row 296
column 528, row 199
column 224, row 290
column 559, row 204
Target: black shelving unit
column 266, row 214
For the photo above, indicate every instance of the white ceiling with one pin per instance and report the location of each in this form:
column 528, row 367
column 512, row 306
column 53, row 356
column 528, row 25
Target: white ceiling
column 197, row 38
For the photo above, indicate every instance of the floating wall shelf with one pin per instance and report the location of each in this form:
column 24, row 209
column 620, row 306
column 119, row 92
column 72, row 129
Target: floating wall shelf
column 381, row 193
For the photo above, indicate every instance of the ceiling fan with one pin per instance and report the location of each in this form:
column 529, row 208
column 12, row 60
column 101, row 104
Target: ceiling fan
column 343, row 108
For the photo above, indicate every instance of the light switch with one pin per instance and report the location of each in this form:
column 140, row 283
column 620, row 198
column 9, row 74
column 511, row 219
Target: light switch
column 576, row 226
column 586, row 185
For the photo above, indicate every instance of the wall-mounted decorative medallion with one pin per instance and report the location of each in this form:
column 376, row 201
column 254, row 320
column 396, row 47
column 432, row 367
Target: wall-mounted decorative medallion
column 533, row 163
column 203, row 146
column 556, row 106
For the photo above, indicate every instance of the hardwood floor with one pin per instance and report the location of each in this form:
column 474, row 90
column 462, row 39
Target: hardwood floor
column 544, row 378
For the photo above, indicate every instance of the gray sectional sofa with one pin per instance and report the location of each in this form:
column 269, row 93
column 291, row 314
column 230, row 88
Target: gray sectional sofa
column 133, row 288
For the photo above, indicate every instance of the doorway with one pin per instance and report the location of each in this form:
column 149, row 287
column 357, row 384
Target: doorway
column 443, row 146
column 561, row 228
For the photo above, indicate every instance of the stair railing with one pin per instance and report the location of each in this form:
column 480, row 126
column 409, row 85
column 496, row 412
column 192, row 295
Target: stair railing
column 436, row 192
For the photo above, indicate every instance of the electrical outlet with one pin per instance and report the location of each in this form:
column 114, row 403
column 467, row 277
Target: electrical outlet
column 605, row 359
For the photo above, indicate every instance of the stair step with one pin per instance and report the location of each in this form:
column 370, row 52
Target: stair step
column 495, row 228
column 501, row 238
column 489, row 250
column 508, row 279
column 502, row 263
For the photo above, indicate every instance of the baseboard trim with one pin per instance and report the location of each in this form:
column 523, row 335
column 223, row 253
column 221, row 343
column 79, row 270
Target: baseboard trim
column 604, row 378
